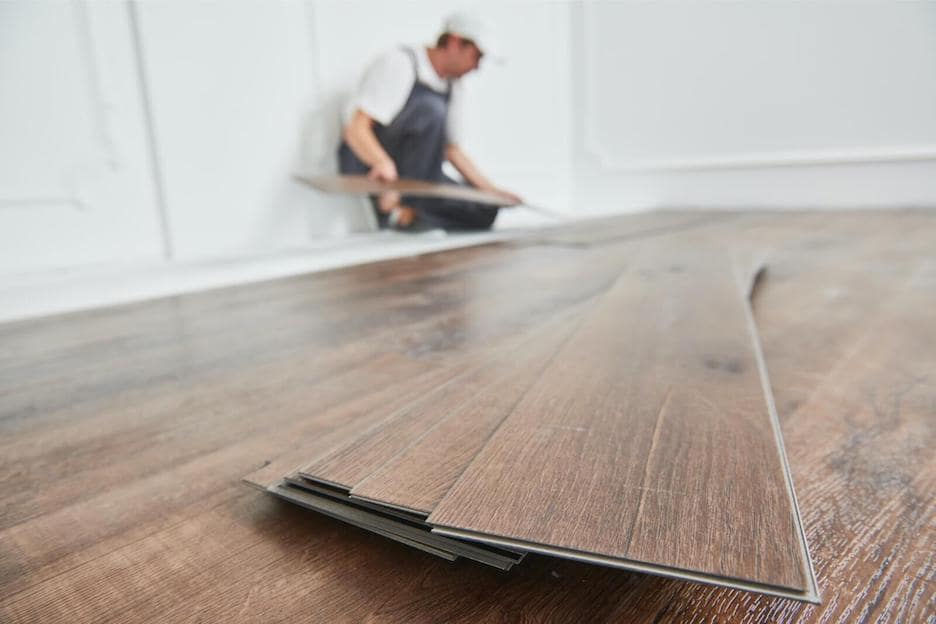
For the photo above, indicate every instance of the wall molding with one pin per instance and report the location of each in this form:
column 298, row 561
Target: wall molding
column 96, row 92
column 34, row 201
column 766, row 160
column 607, row 163
column 70, row 197
column 34, row 294
column 149, row 123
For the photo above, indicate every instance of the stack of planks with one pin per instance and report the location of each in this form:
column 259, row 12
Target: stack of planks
column 634, row 429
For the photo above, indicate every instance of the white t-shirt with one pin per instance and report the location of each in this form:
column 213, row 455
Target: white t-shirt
column 387, row 82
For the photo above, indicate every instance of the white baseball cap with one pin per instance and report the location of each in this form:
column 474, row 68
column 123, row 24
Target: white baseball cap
column 468, row 24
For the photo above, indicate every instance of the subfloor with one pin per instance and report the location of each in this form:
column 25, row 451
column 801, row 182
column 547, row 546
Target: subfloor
column 125, row 431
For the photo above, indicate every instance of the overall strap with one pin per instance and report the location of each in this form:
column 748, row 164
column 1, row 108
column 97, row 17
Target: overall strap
column 412, row 54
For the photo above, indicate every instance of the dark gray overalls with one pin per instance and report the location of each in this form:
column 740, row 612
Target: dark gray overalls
column 415, row 139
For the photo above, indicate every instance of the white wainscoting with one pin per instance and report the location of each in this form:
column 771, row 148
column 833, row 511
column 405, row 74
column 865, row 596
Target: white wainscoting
column 773, row 104
column 148, row 146
column 227, row 83
column 76, row 184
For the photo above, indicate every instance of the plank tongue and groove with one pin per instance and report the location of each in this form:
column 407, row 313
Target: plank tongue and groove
column 357, row 517
column 491, row 386
column 387, row 521
column 648, row 443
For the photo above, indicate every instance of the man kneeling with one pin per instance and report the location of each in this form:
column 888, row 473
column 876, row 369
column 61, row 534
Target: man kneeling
column 403, row 122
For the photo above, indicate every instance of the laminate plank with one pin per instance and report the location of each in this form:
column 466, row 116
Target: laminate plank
column 490, row 386
column 186, row 542
column 340, row 494
column 484, row 395
column 442, row 320
column 381, row 520
column 82, row 530
column 356, row 517
column 654, row 415
column 196, row 335
column 65, row 469
column 97, row 428
column 417, row 477
column 857, row 426
column 358, row 416
column 362, row 185
column 203, row 335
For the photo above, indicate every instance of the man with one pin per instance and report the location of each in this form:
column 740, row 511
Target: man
column 404, row 121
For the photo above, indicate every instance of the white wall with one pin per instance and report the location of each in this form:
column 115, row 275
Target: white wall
column 227, row 82
column 164, row 132
column 167, row 130
column 76, row 182
column 152, row 142
column 749, row 104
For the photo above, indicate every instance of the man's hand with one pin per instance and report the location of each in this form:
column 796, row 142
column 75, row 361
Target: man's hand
column 359, row 134
column 469, row 171
column 512, row 198
column 384, row 171
column 388, row 200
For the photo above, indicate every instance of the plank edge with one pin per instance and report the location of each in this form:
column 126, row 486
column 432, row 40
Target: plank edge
column 628, row 564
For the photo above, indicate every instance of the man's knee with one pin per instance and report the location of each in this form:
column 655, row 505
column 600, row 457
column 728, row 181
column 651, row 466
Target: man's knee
column 454, row 215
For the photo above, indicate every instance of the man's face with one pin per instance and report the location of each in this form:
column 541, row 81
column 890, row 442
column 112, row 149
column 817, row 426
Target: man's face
column 462, row 57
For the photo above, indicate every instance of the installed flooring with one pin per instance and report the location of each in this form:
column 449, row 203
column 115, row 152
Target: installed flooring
column 126, row 431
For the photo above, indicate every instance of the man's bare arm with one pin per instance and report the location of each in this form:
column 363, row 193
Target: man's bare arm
column 360, row 137
column 465, row 166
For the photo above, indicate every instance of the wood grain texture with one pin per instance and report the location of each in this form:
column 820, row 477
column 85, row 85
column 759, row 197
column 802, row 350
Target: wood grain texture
column 125, row 432
column 479, row 397
column 648, row 438
column 610, row 233
column 419, row 476
column 350, row 420
column 372, row 427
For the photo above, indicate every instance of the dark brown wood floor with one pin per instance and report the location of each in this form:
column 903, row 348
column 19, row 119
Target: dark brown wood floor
column 124, row 433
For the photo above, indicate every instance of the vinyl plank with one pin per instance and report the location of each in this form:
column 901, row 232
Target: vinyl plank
column 152, row 345
column 363, row 185
column 63, row 468
column 356, row 517
column 381, row 520
column 351, row 418
column 489, row 386
column 648, row 442
column 340, row 494
column 418, row 324
column 849, row 349
column 479, row 399
column 417, row 477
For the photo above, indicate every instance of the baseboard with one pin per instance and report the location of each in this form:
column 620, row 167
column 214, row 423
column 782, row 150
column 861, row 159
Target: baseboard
column 31, row 295
column 826, row 186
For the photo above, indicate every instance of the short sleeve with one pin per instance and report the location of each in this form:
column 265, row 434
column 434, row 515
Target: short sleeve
column 385, row 86
column 454, row 126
